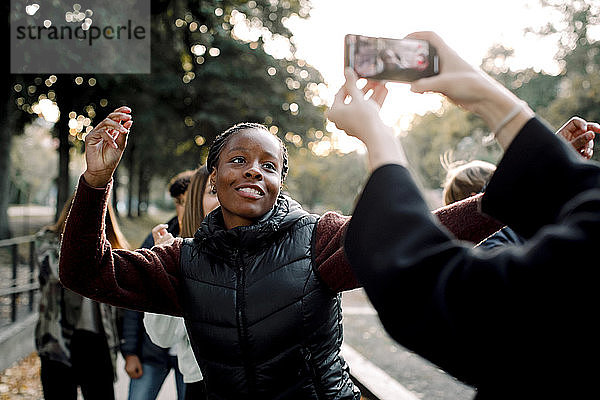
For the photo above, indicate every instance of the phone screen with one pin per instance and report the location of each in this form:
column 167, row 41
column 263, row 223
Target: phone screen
column 402, row 60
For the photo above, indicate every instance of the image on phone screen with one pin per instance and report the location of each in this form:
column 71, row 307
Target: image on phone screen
column 390, row 59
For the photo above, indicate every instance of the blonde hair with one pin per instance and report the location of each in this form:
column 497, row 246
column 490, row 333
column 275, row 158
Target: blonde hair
column 113, row 232
column 464, row 179
column 193, row 212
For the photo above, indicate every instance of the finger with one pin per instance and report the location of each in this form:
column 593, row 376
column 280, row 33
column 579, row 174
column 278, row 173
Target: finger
column 593, row 126
column 572, row 127
column 436, row 83
column 112, row 131
column 127, row 125
column 159, row 228
column 431, row 37
column 581, row 141
column 111, row 124
column 338, row 101
column 119, row 116
column 372, row 84
column 121, row 139
column 123, row 109
column 350, row 84
column 436, row 41
column 379, row 95
column 340, row 96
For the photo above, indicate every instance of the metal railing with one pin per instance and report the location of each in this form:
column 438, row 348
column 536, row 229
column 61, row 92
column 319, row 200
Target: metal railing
column 18, row 283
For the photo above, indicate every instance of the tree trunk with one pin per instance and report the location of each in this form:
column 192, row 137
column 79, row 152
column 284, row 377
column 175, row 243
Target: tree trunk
column 65, row 102
column 6, row 130
column 140, row 190
column 5, row 139
column 130, row 167
column 143, row 184
column 62, row 181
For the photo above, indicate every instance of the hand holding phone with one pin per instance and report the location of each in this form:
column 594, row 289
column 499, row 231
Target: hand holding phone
column 401, row 60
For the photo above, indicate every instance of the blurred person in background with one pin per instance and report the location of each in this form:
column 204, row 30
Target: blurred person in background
column 169, row 331
column 76, row 338
column 146, row 363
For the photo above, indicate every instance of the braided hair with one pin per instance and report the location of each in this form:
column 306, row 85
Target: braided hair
column 217, row 145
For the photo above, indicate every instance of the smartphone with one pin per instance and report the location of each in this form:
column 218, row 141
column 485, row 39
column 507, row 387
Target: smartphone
column 400, row 60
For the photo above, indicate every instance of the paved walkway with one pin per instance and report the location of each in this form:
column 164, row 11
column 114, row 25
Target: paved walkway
column 392, row 370
column 364, row 333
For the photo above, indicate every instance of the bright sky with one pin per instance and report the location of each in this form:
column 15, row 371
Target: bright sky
column 471, row 27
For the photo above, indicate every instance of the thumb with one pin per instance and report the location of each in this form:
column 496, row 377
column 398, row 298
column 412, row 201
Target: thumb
column 435, row 83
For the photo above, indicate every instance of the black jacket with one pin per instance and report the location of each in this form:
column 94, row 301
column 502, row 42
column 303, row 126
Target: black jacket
column 516, row 321
column 273, row 326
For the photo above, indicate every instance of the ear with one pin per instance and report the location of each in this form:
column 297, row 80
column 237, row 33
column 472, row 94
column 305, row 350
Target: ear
column 212, row 178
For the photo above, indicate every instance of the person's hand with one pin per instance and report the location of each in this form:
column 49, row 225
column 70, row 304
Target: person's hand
column 462, row 83
column 133, row 366
column 160, row 234
column 472, row 89
column 580, row 134
column 104, row 146
column 358, row 117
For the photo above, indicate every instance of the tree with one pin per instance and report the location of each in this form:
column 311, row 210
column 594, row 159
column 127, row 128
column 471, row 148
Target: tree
column 204, row 78
column 556, row 98
column 326, row 183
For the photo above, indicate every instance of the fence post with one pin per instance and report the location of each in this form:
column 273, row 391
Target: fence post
column 31, row 273
column 14, row 296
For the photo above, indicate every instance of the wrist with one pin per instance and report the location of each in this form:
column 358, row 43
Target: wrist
column 96, row 180
column 504, row 113
column 383, row 147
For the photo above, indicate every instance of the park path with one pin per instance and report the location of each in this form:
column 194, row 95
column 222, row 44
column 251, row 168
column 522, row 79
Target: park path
column 363, row 334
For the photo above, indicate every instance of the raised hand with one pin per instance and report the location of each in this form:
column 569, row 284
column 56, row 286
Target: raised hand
column 472, row 89
column 580, row 134
column 104, row 146
column 359, row 116
column 160, row 234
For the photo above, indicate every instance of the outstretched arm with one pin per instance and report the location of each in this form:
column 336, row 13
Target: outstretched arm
column 474, row 312
column 144, row 280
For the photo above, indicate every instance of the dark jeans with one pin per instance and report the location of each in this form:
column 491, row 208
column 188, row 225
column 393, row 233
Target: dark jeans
column 195, row 391
column 91, row 369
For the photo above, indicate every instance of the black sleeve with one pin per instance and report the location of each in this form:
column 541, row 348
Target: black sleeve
column 467, row 310
column 537, row 176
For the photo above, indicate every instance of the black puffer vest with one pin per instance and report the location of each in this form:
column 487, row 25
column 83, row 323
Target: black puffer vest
column 261, row 323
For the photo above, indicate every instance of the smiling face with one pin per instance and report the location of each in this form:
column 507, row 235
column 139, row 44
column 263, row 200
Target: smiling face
column 248, row 176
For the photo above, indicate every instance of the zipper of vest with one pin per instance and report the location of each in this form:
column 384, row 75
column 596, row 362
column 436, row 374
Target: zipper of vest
column 241, row 320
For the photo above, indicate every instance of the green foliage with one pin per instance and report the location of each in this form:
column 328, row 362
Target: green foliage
column 442, row 138
column 330, row 183
column 204, row 79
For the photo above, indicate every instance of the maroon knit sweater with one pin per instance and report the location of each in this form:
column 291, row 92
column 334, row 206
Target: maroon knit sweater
column 149, row 279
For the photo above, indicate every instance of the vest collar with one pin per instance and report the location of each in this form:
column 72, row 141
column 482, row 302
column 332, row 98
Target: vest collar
column 221, row 242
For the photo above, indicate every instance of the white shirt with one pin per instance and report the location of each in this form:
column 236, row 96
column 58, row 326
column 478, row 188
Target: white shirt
column 168, row 331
